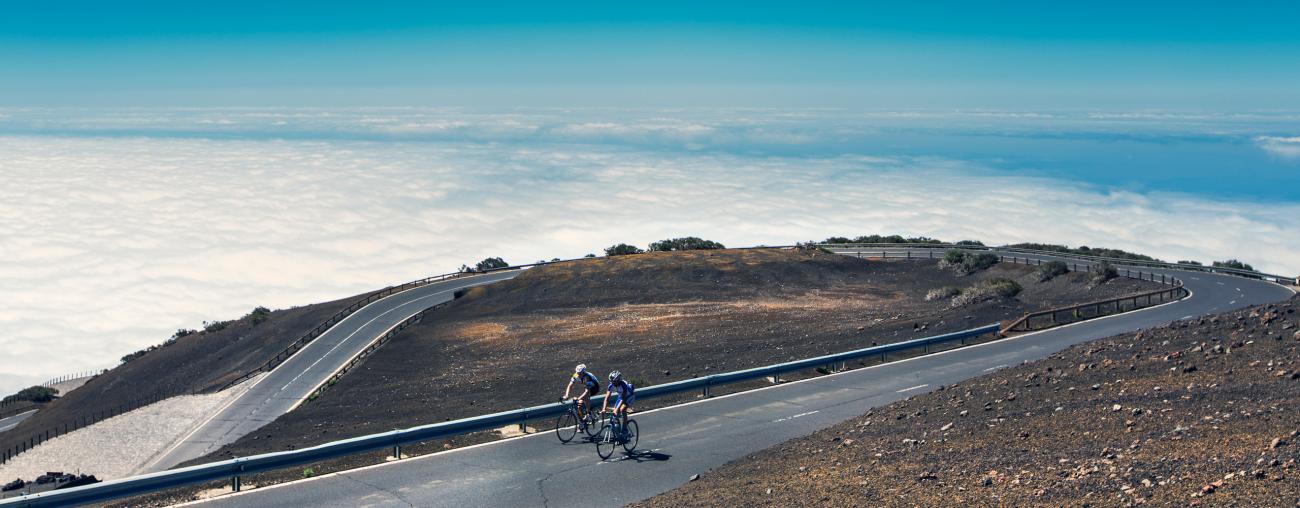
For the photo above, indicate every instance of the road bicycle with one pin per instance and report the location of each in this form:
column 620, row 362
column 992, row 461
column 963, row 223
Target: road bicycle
column 612, row 434
column 570, row 423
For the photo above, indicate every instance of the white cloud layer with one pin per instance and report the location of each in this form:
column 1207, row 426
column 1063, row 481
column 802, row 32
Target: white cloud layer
column 109, row 244
column 1284, row 147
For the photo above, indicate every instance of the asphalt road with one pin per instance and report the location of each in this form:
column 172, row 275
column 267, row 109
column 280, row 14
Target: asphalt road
column 679, row 441
column 293, row 381
column 13, row 421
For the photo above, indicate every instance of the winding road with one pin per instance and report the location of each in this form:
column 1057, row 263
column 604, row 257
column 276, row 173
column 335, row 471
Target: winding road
column 679, row 441
column 291, row 382
column 13, row 421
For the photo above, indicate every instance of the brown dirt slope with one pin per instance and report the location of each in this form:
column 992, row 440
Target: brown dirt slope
column 195, row 362
column 1195, row 413
column 658, row 317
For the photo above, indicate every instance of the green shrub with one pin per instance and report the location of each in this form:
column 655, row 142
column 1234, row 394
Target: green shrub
column 966, row 263
column 1085, row 250
column 1051, row 269
column 308, row 473
column 1232, row 263
column 622, row 249
column 215, row 326
column 987, row 290
column 259, row 315
column 33, row 394
column 974, row 243
column 589, row 255
column 685, row 243
column 942, row 293
column 1103, row 272
column 490, row 264
column 1005, row 288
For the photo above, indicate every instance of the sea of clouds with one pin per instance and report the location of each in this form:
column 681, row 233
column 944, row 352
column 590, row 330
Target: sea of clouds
column 117, row 228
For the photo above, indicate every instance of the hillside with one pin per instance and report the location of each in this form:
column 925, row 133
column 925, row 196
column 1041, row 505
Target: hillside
column 658, row 317
column 197, row 362
column 1196, row 412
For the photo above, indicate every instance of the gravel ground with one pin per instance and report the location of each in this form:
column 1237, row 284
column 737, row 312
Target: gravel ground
column 119, row 446
column 1203, row 412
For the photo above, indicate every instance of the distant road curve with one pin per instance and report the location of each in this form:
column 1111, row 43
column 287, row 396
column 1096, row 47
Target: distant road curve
column 13, row 421
column 291, row 382
column 693, row 438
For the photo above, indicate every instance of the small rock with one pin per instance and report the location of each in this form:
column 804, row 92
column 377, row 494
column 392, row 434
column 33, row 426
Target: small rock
column 1116, row 407
column 1276, row 443
column 696, row 477
column 946, row 427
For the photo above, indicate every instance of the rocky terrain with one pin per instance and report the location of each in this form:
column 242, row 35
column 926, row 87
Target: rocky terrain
column 660, row 317
column 1200, row 412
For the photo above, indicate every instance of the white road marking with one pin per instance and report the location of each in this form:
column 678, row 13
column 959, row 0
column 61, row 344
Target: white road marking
column 1238, row 290
column 1234, row 302
column 917, row 387
column 996, row 367
column 1188, row 317
column 1219, row 283
column 353, row 334
column 779, row 420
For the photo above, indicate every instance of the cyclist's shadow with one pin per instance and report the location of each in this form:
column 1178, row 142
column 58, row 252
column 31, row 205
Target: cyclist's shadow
column 646, row 456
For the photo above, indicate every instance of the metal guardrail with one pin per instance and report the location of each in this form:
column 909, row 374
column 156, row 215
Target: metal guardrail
column 374, row 345
column 1281, row 279
column 70, row 377
column 329, row 323
column 1077, row 312
column 1100, row 308
column 233, row 469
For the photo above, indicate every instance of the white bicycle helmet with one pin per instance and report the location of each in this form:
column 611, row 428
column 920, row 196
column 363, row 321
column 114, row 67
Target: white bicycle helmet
column 615, row 376
column 582, row 367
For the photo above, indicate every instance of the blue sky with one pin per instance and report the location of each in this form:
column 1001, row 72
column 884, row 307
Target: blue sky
column 1016, row 55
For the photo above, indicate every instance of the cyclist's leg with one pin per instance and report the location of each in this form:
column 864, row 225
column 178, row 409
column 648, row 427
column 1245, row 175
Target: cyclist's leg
column 582, row 403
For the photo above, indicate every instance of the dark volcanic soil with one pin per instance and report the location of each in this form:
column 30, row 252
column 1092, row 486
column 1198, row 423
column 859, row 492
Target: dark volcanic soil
column 193, row 363
column 658, row 317
column 1196, row 413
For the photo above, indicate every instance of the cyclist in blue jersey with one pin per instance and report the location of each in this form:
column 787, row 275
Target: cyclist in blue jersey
column 590, row 386
column 624, row 395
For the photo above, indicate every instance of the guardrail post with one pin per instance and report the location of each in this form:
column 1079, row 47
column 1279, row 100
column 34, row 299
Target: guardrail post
column 234, row 483
column 397, row 451
column 1162, row 278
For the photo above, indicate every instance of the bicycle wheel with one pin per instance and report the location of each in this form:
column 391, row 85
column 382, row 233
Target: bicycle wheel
column 566, row 426
column 591, row 424
column 629, row 443
column 606, row 442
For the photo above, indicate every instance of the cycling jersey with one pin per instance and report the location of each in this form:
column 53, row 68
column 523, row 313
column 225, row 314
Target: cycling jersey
column 587, row 379
column 623, row 391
